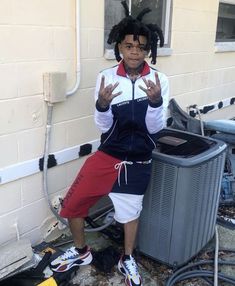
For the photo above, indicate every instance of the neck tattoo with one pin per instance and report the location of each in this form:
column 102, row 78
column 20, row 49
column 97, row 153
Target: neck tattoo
column 134, row 73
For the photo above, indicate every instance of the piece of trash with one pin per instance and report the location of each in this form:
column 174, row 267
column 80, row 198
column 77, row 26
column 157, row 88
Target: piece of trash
column 105, row 259
column 14, row 255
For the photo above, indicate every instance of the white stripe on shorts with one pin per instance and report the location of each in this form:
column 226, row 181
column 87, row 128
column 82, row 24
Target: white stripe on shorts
column 127, row 206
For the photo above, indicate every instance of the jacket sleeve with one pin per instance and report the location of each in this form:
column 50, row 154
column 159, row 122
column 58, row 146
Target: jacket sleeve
column 156, row 116
column 103, row 117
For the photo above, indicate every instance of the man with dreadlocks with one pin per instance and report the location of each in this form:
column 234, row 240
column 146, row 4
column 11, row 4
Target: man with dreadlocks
column 129, row 112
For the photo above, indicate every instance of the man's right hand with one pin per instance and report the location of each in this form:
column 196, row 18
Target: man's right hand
column 106, row 94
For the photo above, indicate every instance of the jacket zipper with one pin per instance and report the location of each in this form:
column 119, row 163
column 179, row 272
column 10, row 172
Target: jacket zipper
column 110, row 132
column 155, row 146
column 132, row 110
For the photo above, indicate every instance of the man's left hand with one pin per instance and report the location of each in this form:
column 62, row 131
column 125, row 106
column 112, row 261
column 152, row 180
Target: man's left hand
column 152, row 89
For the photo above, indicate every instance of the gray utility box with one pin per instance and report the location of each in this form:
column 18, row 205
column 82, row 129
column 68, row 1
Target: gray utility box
column 181, row 203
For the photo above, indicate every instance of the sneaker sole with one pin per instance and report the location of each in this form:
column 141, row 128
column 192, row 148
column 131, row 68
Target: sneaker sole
column 121, row 269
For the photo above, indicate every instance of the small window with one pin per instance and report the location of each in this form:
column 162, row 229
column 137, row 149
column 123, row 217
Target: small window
column 159, row 15
column 226, row 22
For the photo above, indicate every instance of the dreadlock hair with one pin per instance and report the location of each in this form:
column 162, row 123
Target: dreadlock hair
column 135, row 27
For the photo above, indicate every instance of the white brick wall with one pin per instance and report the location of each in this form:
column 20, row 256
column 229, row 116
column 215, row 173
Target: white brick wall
column 27, row 150
column 36, row 37
column 28, row 187
column 21, row 114
column 11, row 197
column 42, row 12
column 8, row 142
column 39, row 36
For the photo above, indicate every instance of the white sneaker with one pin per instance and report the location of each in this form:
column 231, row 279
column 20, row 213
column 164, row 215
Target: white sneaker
column 70, row 259
column 129, row 269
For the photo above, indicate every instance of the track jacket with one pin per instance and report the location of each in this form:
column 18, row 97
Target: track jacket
column 129, row 124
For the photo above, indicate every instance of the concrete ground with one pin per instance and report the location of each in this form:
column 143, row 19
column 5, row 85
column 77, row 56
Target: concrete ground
column 153, row 273
column 90, row 276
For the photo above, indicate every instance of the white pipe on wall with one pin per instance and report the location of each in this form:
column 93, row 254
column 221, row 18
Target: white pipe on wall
column 78, row 65
column 27, row 168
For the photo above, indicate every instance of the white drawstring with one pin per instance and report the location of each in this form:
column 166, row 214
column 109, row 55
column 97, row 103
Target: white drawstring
column 118, row 167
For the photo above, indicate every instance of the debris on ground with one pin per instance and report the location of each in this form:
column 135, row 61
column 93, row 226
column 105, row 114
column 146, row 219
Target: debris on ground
column 106, row 251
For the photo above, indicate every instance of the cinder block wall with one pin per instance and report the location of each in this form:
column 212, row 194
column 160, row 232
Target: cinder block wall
column 39, row 36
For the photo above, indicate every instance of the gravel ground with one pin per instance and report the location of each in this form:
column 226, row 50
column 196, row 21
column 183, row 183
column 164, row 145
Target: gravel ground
column 153, row 272
column 157, row 274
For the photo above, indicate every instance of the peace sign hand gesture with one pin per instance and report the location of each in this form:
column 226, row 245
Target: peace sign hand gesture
column 153, row 90
column 106, row 94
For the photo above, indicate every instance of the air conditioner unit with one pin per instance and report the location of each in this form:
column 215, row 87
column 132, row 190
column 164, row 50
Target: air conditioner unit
column 181, row 203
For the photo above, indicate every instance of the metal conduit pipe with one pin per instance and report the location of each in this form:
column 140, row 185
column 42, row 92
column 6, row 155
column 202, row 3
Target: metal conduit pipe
column 45, row 167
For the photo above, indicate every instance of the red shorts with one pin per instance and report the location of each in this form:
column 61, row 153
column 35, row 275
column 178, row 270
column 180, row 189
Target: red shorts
column 124, row 181
column 95, row 180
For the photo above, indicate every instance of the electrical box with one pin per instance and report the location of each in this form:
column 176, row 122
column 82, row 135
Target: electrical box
column 54, row 86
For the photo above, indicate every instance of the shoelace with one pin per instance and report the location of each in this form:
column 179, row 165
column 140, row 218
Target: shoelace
column 69, row 252
column 118, row 167
column 131, row 266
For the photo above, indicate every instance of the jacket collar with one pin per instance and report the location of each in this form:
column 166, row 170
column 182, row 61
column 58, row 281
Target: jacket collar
column 121, row 70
